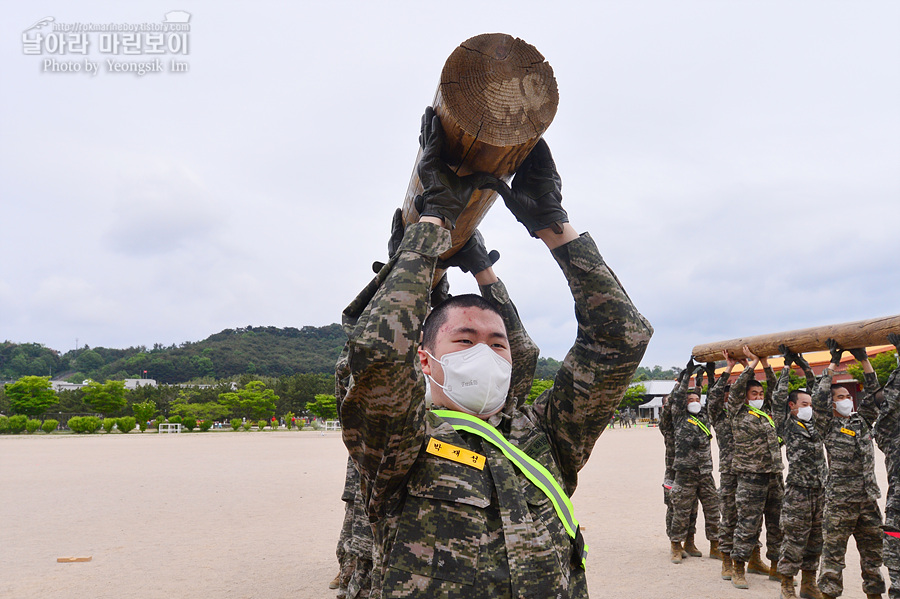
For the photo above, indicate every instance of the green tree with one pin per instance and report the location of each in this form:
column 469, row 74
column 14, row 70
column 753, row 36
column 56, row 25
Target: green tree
column 634, row 396
column 107, row 398
column 89, row 360
column 144, row 412
column 325, row 407
column 538, row 386
column 254, row 401
column 883, row 364
column 201, row 411
column 31, row 395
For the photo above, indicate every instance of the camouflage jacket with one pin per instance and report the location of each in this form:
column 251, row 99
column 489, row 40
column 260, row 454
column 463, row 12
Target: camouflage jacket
column 851, row 453
column 887, row 435
column 803, row 443
column 667, row 429
column 524, row 351
column 756, row 446
column 718, row 416
column 446, row 529
column 692, row 433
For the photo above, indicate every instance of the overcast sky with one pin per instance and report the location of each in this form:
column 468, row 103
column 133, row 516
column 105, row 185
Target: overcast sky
column 738, row 164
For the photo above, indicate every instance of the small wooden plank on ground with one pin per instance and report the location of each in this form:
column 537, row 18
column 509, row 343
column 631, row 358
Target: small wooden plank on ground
column 71, row 560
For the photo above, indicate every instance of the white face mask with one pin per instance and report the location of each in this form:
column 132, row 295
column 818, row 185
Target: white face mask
column 756, row 403
column 694, row 407
column 844, row 407
column 805, row 413
column 476, row 379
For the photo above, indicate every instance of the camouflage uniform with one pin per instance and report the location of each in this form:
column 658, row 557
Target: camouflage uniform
column 718, row 416
column 756, row 463
column 851, row 491
column 887, row 435
column 801, row 510
column 355, row 541
column 445, row 529
column 693, row 468
column 668, row 432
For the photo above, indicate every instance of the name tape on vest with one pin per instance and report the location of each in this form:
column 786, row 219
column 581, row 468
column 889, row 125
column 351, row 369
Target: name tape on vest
column 442, row 449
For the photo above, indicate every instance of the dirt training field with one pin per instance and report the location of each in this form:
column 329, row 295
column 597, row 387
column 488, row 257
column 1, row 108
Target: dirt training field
column 257, row 514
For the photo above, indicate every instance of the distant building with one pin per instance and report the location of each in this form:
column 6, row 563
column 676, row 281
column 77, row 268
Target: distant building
column 132, row 384
column 655, row 391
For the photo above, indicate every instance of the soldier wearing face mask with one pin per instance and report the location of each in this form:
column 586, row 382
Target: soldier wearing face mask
column 471, row 499
column 801, row 509
column 887, row 435
column 851, row 491
column 692, row 465
column 757, row 466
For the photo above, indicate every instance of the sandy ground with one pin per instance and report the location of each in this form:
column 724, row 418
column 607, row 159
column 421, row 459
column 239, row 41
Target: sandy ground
column 250, row 514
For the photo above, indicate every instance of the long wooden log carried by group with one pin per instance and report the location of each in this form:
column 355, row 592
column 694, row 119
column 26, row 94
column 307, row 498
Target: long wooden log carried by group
column 861, row 333
column 497, row 96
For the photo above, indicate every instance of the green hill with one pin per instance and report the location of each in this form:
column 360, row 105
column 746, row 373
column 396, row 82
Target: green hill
column 265, row 351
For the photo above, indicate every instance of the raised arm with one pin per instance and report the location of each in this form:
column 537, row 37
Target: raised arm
column 612, row 335
column 866, row 406
column 715, row 397
column 888, row 422
column 821, row 396
column 739, row 389
column 779, row 398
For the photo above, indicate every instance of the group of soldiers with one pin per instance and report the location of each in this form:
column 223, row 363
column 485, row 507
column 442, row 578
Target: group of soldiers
column 810, row 514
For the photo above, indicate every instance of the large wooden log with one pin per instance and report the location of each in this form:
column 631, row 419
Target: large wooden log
column 496, row 97
column 861, row 333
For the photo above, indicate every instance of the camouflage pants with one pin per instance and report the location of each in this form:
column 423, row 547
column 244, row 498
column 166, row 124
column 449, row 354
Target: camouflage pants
column 862, row 519
column 667, row 499
column 892, row 548
column 689, row 486
column 801, row 528
column 727, row 511
column 757, row 496
column 343, row 545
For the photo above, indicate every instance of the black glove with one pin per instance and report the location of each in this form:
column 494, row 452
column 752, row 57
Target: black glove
column 859, row 353
column 894, row 339
column 698, row 375
column 688, row 369
column 711, row 373
column 836, row 351
column 441, row 292
column 397, row 229
column 396, row 237
column 789, row 356
column 536, row 195
column 472, row 257
column 445, row 194
column 800, row 361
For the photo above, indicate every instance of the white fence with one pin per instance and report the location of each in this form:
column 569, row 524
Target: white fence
column 170, row 427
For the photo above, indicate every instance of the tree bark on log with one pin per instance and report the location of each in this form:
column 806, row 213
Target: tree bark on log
column 496, row 98
column 861, row 333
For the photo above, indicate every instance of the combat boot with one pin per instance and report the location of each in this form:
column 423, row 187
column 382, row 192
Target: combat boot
column 737, row 576
column 808, row 587
column 714, row 552
column 773, row 571
column 691, row 548
column 336, row 582
column 787, row 587
column 676, row 552
column 873, row 596
column 756, row 565
column 727, row 567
